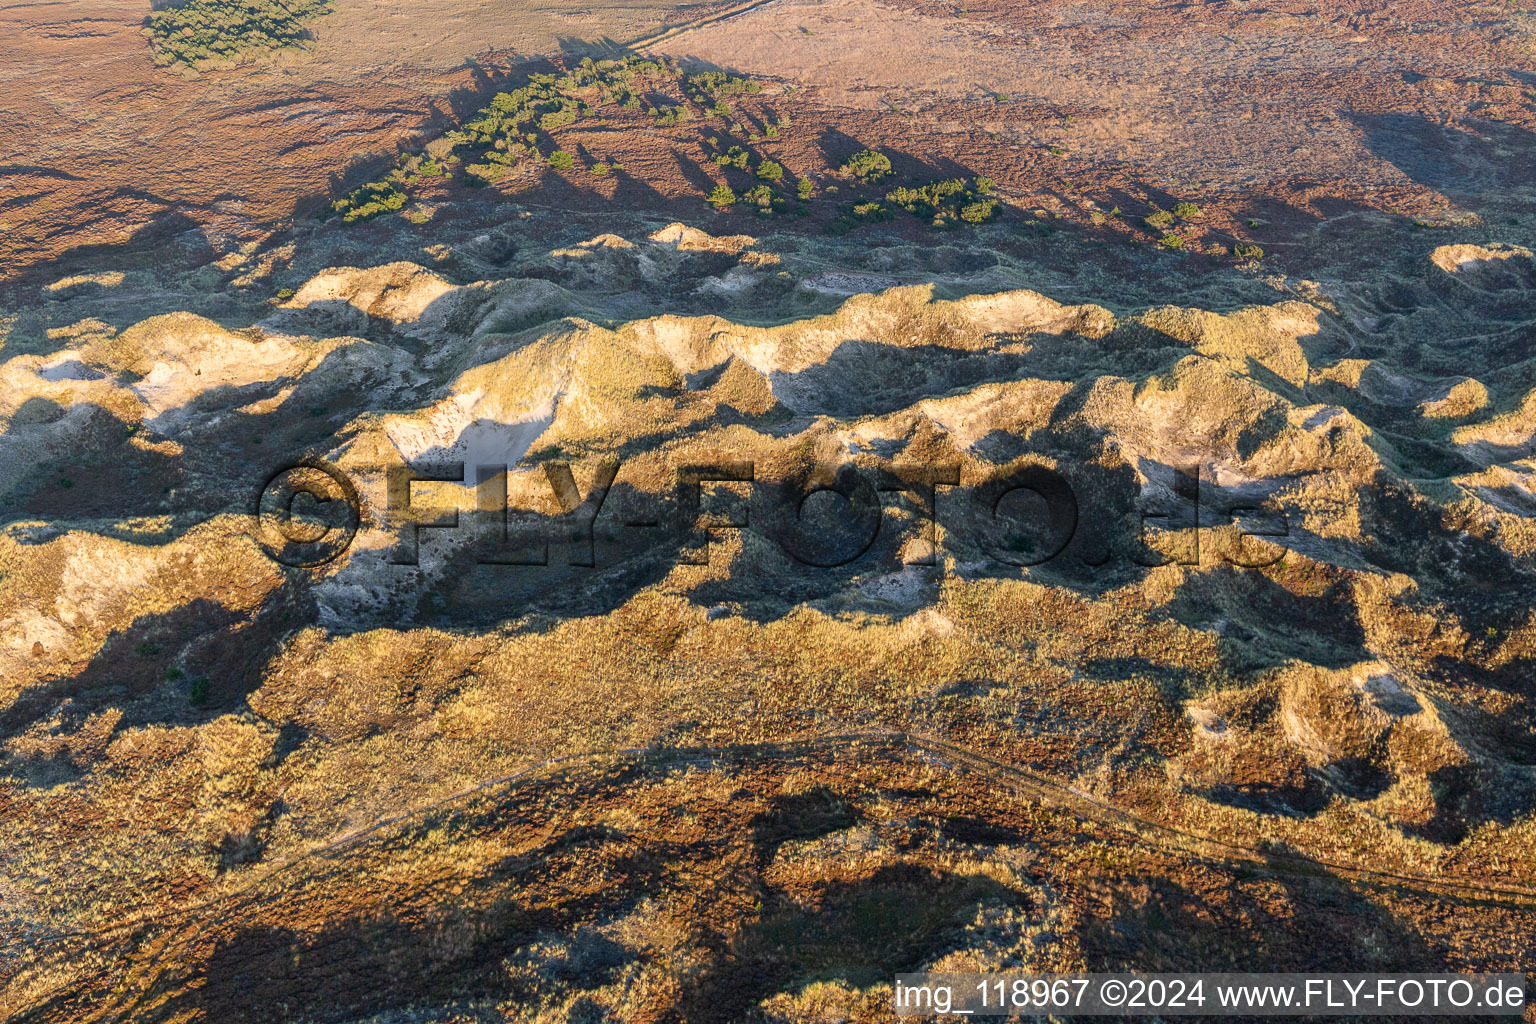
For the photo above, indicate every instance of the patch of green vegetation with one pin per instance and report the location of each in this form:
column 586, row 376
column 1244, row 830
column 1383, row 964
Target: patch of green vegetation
column 947, row 201
column 508, row 128
column 708, row 85
column 927, row 200
column 734, row 157
column 979, row 212
column 201, row 33
column 1171, row 241
column 1159, row 220
column 199, row 694
column 805, row 188
column 370, row 200
column 1247, row 251
column 560, row 160
column 765, row 200
column 867, row 165
column 1186, row 211
column 770, row 171
column 666, row 116
column 722, row 197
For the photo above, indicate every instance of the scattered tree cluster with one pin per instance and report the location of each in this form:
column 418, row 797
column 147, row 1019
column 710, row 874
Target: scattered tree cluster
column 202, row 32
column 736, row 157
column 667, row 116
column 947, row 201
column 388, row 194
column 508, row 130
column 709, row 89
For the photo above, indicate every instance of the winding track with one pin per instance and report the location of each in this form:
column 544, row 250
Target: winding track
column 679, row 30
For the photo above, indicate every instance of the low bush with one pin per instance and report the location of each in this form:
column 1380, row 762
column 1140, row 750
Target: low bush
column 560, row 160
column 722, row 197
column 370, row 200
column 1247, row 251
column 770, row 171
column 867, row 165
column 734, row 157
column 943, row 202
column 714, row 84
column 759, row 195
column 979, row 212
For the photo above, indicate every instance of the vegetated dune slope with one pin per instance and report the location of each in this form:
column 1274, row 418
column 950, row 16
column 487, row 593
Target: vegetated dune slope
column 678, row 773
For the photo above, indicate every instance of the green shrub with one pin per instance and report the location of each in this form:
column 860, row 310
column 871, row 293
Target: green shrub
column 212, row 31
column 867, row 165
column 560, row 160
column 734, row 157
column 722, row 197
column 1186, row 211
column 559, row 118
column 1160, row 220
column 771, row 132
column 759, row 195
column 1247, row 251
column 927, row 200
column 804, row 188
column 871, row 211
column 978, row 212
column 480, row 174
column 713, row 84
column 199, row 694
column 770, row 171
column 1171, row 241
column 941, row 202
column 984, row 186
column 370, row 200
column 601, row 169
